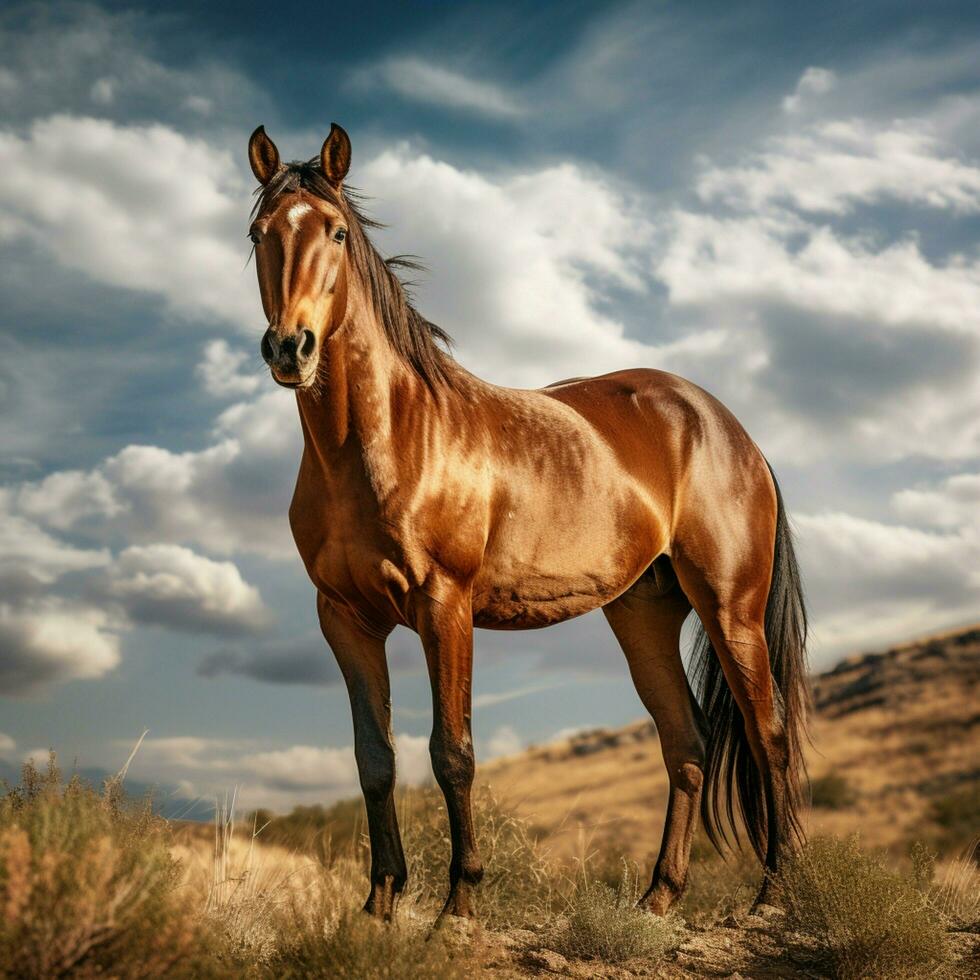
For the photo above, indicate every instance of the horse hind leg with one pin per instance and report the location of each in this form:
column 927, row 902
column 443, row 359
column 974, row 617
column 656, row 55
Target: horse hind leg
column 748, row 754
column 647, row 621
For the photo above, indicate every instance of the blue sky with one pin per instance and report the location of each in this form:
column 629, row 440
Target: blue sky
column 780, row 204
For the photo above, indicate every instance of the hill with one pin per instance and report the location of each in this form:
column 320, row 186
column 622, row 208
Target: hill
column 895, row 754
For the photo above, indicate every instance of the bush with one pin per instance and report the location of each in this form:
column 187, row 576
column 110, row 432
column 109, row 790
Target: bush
column 832, row 792
column 603, row 923
column 87, row 885
column 864, row 920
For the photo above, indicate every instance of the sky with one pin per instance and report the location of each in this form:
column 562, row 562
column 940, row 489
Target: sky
column 778, row 201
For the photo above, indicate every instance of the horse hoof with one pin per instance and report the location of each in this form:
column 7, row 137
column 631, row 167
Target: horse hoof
column 382, row 901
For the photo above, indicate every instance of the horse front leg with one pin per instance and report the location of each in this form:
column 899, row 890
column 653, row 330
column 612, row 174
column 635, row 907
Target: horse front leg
column 445, row 625
column 362, row 661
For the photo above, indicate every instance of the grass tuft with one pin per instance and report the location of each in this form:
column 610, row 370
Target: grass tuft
column 604, row 923
column 864, row 921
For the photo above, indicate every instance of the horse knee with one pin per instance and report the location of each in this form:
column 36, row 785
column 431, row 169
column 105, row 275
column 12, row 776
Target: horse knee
column 685, row 757
column 688, row 777
column 453, row 761
column 376, row 768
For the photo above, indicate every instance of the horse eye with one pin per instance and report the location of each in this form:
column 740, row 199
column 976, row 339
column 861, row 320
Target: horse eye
column 253, row 238
column 340, row 234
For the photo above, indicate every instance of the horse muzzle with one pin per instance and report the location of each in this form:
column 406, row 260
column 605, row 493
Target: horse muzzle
column 293, row 358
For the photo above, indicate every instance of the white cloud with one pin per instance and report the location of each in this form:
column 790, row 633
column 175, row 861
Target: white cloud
column 7, row 744
column 873, row 582
column 49, row 637
column 712, row 260
column 167, row 585
column 504, row 741
column 833, row 166
column 305, row 767
column 220, row 371
column 136, row 207
column 44, row 638
column 26, row 548
column 66, row 497
column 520, row 265
column 52, row 640
column 422, row 81
column 186, row 753
column 955, row 502
column 833, row 343
column 814, row 81
column 276, row 777
column 230, row 497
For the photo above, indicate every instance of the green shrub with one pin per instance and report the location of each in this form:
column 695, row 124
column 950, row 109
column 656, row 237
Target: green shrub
column 87, row 885
column 603, row 923
column 864, row 920
column 832, row 792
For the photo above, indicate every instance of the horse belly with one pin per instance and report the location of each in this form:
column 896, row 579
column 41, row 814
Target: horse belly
column 537, row 572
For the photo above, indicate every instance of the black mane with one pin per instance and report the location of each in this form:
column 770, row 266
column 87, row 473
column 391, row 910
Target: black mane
column 410, row 334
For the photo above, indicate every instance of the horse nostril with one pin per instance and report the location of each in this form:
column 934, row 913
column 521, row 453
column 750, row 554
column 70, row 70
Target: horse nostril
column 268, row 347
column 307, row 343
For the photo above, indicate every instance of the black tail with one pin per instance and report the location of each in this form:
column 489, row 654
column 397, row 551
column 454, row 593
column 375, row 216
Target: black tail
column 732, row 779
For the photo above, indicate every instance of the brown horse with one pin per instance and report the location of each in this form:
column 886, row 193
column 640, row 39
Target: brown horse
column 429, row 498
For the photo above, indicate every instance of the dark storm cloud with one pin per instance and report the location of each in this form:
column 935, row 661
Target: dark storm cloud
column 303, row 661
column 136, row 65
column 833, row 370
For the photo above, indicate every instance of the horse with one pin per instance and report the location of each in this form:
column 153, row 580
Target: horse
column 429, row 498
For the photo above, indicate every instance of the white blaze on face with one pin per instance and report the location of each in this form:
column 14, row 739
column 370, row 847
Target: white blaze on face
column 295, row 214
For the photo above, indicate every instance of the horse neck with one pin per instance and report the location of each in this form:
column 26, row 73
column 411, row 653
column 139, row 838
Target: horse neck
column 349, row 419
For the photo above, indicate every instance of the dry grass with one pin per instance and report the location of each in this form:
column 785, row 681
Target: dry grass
column 319, row 942
column 88, row 886
column 604, row 923
column 864, row 920
column 520, row 881
column 956, row 895
column 719, row 886
column 93, row 886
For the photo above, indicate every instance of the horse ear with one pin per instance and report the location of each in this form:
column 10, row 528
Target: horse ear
column 263, row 156
column 335, row 155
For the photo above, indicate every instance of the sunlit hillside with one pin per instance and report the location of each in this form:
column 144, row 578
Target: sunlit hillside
column 895, row 754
